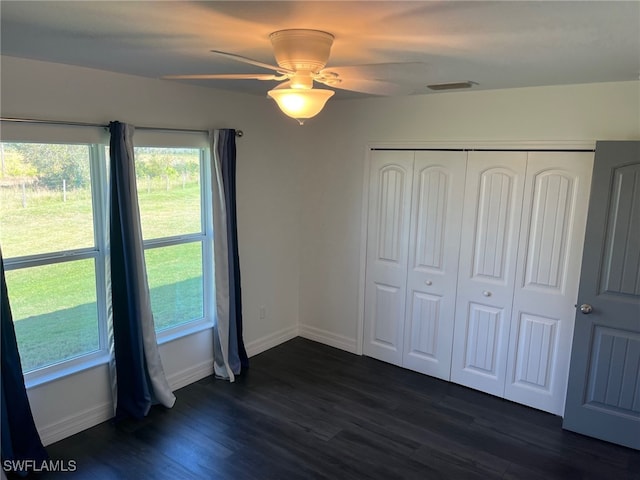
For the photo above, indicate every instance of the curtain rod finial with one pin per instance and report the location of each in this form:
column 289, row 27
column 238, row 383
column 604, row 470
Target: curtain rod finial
column 239, row 133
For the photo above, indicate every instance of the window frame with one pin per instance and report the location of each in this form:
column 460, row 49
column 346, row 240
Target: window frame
column 205, row 237
column 99, row 178
column 98, row 181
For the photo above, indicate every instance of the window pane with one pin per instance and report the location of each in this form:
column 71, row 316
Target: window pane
column 54, row 312
column 175, row 281
column 168, row 191
column 45, row 198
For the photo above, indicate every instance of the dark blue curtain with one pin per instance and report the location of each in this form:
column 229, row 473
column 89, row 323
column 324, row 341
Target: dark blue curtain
column 20, row 439
column 140, row 379
column 227, row 155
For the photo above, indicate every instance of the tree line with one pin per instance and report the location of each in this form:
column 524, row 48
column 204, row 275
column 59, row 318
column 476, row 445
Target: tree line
column 49, row 165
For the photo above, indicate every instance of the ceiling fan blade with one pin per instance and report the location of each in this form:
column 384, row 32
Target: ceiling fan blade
column 251, row 61
column 373, row 87
column 414, row 72
column 227, row 76
column 387, row 79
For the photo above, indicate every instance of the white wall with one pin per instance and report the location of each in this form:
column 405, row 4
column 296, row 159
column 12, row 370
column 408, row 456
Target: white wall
column 268, row 210
column 332, row 180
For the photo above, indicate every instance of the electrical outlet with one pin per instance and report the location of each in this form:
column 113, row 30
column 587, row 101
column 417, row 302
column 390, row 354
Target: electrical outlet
column 263, row 312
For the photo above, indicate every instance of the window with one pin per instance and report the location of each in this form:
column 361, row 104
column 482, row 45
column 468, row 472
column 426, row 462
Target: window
column 53, row 233
column 51, row 197
column 173, row 229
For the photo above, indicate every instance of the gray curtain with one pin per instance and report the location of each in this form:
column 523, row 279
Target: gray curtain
column 230, row 356
column 140, row 379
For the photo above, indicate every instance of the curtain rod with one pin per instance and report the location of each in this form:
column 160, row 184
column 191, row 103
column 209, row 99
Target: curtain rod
column 239, row 133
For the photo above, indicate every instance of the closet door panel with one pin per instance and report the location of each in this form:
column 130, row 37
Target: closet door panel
column 434, row 240
column 488, row 254
column 391, row 176
column 551, row 238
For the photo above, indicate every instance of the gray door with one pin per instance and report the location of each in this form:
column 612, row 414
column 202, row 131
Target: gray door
column 603, row 397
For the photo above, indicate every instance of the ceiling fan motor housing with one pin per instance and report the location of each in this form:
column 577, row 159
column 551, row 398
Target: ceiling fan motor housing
column 301, row 49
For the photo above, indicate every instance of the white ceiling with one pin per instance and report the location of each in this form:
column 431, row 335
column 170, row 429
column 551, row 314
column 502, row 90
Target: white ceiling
column 496, row 44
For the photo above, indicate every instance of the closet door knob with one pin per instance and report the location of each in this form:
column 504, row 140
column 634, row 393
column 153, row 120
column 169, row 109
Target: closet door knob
column 428, row 282
column 486, row 293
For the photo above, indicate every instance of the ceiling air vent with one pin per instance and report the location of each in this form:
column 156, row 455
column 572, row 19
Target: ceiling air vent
column 451, row 86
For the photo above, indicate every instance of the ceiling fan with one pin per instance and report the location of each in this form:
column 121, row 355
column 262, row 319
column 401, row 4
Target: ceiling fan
column 302, row 55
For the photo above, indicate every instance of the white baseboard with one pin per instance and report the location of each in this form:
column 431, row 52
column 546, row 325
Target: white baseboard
column 328, row 338
column 265, row 343
column 73, row 424
column 189, row 375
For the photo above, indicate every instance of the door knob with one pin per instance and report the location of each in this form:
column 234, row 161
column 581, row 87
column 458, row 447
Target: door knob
column 428, row 282
column 586, row 308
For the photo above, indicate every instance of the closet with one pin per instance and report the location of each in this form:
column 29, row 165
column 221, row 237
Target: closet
column 472, row 266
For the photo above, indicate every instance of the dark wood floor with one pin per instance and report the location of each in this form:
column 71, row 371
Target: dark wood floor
column 305, row 410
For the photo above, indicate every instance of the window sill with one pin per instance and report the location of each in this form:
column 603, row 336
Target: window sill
column 181, row 331
column 49, row 374
column 56, row 372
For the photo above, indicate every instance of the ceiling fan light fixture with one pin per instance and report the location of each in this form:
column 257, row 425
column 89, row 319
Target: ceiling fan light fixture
column 301, row 104
column 302, row 79
column 302, row 49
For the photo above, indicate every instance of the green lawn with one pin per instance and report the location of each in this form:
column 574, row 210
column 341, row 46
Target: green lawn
column 69, row 332
column 48, row 224
column 62, row 334
column 54, row 306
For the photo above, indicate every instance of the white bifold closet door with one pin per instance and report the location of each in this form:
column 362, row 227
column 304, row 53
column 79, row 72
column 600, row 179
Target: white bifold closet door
column 387, row 252
column 473, row 261
column 523, row 231
column 434, row 240
column 488, row 255
column 556, row 200
column 415, row 210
